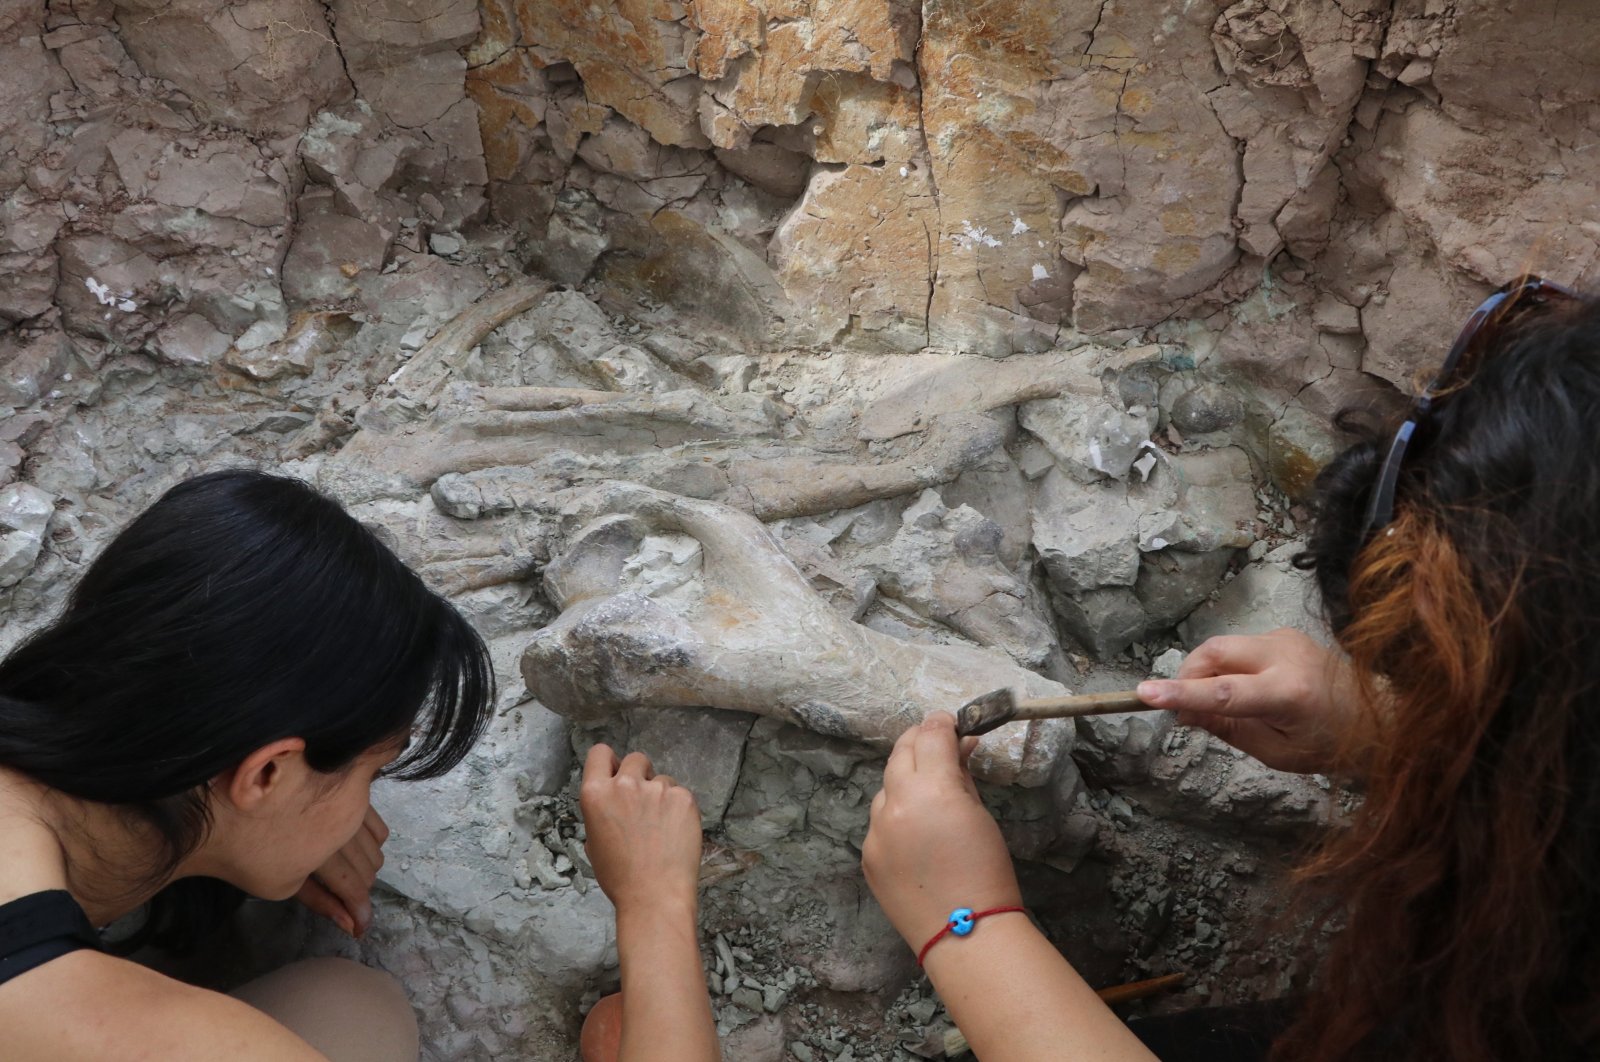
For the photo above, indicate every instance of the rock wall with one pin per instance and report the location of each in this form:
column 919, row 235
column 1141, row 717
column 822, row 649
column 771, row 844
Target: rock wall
column 1016, row 325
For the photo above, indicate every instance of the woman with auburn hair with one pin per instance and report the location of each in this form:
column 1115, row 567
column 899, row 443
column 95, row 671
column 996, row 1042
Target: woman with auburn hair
column 1458, row 557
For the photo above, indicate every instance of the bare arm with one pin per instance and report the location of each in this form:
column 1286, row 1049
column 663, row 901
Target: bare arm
column 1016, row 999
column 933, row 847
column 644, row 841
column 666, row 1012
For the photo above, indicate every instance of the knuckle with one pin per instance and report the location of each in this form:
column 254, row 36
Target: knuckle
column 1298, row 690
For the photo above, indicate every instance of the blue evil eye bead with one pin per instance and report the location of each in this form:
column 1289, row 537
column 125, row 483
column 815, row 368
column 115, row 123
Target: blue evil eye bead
column 961, row 922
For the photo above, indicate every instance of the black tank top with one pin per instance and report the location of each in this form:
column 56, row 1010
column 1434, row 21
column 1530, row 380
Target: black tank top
column 39, row 927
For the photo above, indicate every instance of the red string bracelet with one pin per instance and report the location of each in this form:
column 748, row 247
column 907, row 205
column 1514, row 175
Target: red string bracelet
column 960, row 923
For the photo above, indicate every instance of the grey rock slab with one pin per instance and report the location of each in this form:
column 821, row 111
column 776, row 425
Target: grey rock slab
column 226, row 177
column 29, row 370
column 1086, row 535
column 1105, row 621
column 25, row 512
column 823, row 756
column 456, row 839
column 266, row 66
column 1172, row 582
column 1091, row 438
column 189, row 339
column 759, row 1041
column 1265, row 595
column 328, row 253
column 701, row 748
column 1167, row 664
column 1117, row 749
column 1207, row 408
column 945, row 563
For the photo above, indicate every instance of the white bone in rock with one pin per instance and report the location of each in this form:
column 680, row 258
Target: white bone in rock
column 673, row 602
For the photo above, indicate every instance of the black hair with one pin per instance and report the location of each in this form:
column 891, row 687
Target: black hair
column 1469, row 879
column 239, row 609
column 1509, row 457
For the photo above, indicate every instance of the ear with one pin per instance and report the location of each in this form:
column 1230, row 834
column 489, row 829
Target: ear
column 262, row 774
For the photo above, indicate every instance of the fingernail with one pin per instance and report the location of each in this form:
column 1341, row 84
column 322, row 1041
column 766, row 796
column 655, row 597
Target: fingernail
column 1154, row 692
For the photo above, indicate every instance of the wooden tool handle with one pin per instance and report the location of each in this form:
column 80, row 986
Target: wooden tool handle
column 1080, row 704
column 1139, row 989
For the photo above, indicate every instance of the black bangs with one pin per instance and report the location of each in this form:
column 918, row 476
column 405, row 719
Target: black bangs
column 456, row 708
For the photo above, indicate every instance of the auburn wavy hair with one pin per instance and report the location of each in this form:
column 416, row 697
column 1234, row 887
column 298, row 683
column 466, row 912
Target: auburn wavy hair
column 1469, row 881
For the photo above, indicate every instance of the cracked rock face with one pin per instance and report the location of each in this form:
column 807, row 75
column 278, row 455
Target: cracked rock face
column 759, row 376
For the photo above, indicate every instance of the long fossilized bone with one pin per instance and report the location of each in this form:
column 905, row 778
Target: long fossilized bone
column 669, row 601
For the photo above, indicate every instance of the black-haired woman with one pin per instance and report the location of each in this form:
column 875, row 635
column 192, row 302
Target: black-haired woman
column 206, row 717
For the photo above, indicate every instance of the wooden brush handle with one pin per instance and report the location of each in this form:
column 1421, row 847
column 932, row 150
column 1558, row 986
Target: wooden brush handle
column 1080, row 704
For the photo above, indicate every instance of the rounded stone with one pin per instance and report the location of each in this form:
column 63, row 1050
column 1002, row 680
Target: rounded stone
column 1138, row 386
column 1205, row 409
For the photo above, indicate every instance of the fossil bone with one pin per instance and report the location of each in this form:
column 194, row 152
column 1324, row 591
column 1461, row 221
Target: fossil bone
column 498, row 445
column 669, row 601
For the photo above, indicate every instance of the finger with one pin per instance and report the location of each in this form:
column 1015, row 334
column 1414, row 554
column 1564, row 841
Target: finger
column 666, row 780
column 938, row 750
column 320, row 901
column 601, row 763
column 969, row 745
column 1228, row 654
column 375, row 826
column 1236, row 695
column 364, row 854
column 637, row 765
column 349, row 871
column 903, row 759
column 351, row 887
column 877, row 804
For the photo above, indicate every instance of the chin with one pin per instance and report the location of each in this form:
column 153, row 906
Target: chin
column 273, row 890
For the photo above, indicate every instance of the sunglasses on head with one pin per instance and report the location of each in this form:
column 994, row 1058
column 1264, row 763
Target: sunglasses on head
column 1507, row 303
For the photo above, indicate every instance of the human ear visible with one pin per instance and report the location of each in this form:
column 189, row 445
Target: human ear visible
column 260, row 774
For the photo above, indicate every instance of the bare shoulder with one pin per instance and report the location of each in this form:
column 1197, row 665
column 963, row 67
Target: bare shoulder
column 87, row 1006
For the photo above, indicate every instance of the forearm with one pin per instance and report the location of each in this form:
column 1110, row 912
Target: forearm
column 666, row 1011
column 1016, row 999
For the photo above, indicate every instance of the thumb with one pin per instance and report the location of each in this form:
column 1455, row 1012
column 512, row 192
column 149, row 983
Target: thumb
column 937, row 747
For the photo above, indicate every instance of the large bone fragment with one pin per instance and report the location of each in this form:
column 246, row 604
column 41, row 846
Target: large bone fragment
column 672, row 602
column 977, row 384
column 472, row 431
column 428, row 370
column 754, row 474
